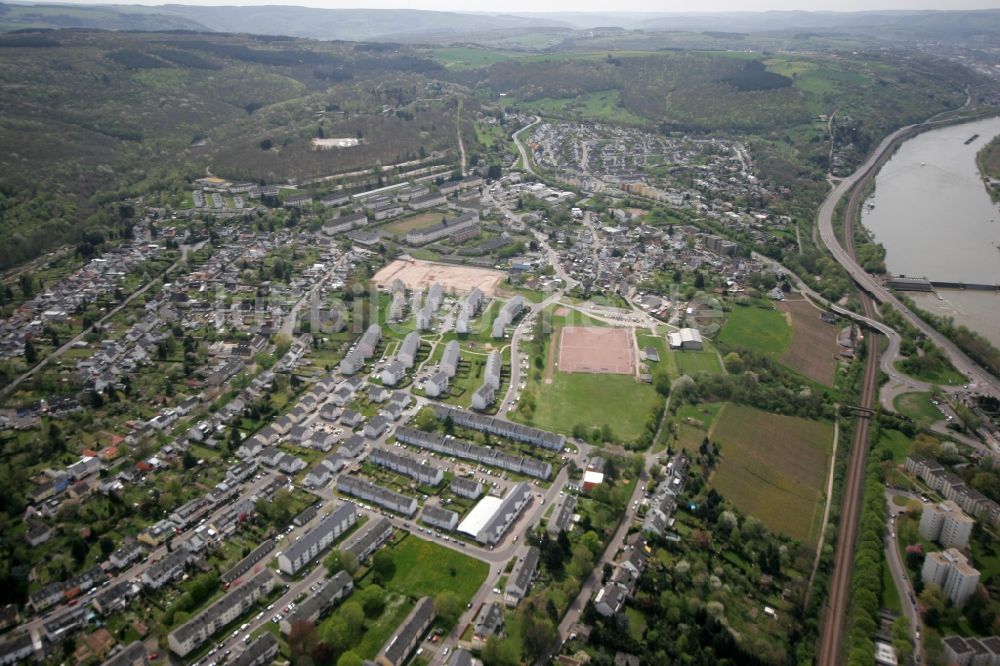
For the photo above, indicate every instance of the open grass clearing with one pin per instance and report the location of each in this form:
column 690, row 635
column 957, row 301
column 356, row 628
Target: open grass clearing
column 918, row 406
column 418, row 221
column 756, row 328
column 592, row 400
column 774, row 467
column 424, row 568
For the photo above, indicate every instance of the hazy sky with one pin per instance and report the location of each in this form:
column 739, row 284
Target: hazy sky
column 598, row 5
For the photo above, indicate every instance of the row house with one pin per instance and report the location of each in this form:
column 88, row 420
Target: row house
column 374, row 534
column 406, row 465
column 313, row 608
column 195, row 632
column 458, row 448
column 502, row 428
column 440, row 518
column 313, row 542
column 368, row 491
column 519, row 583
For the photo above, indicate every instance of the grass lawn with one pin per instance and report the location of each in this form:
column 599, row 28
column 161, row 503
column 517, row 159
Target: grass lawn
column 692, row 363
column 593, row 400
column 756, row 328
column 424, row 568
column 694, row 422
column 918, row 406
column 419, row 221
column 945, row 375
column 774, row 467
column 898, row 443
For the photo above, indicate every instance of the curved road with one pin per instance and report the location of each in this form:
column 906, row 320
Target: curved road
column 520, row 146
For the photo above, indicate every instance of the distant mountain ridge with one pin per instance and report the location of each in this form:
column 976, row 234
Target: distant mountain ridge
column 414, row 25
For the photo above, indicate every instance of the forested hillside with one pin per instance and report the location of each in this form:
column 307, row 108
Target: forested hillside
column 87, row 117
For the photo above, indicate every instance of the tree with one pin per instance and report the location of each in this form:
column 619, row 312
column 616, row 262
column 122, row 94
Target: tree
column 372, row 600
column 349, row 658
column 30, row 353
column 302, row 639
column 447, row 606
column 662, row 384
column 537, row 634
column 499, row 652
column 107, row 545
column 340, row 560
column 426, row 420
column 354, row 618
column 383, row 566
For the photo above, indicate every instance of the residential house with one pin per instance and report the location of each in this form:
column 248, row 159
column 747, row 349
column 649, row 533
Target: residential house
column 437, row 385
column 450, row 358
column 403, row 464
column 368, row 491
column 440, row 518
column 519, row 583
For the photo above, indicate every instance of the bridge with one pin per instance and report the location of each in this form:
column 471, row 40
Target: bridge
column 905, row 283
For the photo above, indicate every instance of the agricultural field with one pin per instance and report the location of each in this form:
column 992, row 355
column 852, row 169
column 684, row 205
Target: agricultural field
column 601, row 106
column 469, row 57
column 756, row 328
column 419, row 221
column 813, row 349
column 774, row 467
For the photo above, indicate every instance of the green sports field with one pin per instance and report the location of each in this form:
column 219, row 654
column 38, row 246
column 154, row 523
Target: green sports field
column 692, row 362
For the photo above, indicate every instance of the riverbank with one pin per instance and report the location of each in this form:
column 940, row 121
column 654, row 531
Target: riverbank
column 988, row 161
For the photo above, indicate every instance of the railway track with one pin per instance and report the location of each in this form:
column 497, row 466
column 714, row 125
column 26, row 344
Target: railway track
column 838, row 601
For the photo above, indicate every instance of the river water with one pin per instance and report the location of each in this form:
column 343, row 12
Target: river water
column 936, row 220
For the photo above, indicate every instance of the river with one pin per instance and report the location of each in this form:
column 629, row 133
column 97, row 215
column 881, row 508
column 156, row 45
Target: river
column 935, row 219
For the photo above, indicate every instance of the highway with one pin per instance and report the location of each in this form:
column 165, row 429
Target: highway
column 979, row 380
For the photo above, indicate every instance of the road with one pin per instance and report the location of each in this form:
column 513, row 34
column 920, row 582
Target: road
column 907, row 598
column 9, row 388
column 461, row 144
column 525, row 158
column 979, row 379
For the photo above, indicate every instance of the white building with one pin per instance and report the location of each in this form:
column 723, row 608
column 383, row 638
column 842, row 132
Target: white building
column 946, row 524
column 685, row 338
column 951, row 570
